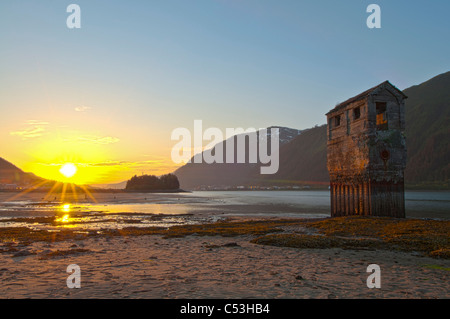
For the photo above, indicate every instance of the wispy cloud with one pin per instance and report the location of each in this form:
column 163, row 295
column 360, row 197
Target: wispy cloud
column 133, row 165
column 127, row 164
column 103, row 140
column 82, row 108
column 37, row 122
column 36, row 129
column 155, row 167
column 104, row 164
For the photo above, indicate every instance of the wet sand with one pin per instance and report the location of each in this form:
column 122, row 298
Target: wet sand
column 214, row 267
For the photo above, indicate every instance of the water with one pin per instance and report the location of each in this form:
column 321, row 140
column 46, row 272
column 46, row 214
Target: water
column 418, row 204
column 164, row 210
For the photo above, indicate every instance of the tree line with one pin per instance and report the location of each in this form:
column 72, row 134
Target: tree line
column 152, row 182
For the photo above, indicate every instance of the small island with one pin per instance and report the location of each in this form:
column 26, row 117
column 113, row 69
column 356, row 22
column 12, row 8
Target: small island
column 151, row 183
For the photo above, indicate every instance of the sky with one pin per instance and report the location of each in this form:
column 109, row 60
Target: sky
column 108, row 95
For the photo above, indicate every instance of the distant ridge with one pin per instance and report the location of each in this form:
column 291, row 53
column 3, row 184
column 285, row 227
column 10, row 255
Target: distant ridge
column 11, row 174
column 428, row 133
column 120, row 185
column 303, row 160
column 194, row 175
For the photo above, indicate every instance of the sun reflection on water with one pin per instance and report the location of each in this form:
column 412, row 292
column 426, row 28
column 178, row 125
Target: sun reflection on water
column 94, row 216
column 65, row 219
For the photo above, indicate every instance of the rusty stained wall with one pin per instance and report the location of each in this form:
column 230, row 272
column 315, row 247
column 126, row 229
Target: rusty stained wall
column 363, row 180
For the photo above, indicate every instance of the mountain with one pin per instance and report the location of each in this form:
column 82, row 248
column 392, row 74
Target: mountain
column 120, row 185
column 195, row 175
column 11, row 174
column 11, row 177
column 303, row 157
column 428, row 132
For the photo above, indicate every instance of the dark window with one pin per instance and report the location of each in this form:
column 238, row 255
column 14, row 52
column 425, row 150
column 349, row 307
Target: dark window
column 348, row 122
column 356, row 113
column 330, row 128
column 382, row 123
column 337, row 120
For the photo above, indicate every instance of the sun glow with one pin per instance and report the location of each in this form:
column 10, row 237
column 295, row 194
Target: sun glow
column 68, row 170
column 65, row 208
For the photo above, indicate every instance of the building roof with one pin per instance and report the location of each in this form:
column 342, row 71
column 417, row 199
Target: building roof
column 365, row 94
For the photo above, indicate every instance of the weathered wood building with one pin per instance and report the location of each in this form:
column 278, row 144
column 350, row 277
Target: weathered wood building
column 366, row 153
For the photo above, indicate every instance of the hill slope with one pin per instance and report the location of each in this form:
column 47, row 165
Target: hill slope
column 11, row 174
column 194, row 175
column 304, row 158
column 428, row 131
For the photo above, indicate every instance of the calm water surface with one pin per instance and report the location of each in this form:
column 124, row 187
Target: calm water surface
column 143, row 210
column 419, row 204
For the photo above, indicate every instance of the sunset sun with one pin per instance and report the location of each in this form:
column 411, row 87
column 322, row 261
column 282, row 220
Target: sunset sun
column 68, row 170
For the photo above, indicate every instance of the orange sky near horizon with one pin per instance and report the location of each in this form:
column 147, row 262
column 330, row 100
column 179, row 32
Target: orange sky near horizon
column 101, row 152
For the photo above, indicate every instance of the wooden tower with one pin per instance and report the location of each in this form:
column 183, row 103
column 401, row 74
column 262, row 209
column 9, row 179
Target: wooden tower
column 366, row 153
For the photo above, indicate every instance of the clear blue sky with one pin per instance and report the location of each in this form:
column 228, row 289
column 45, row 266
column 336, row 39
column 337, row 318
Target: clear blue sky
column 238, row 62
column 151, row 66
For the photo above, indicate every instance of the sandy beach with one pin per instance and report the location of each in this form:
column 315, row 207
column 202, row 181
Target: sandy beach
column 126, row 251
column 151, row 266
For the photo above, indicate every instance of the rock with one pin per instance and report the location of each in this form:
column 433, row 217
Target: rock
column 298, row 277
column 211, row 246
column 231, row 245
column 23, row 253
column 25, row 243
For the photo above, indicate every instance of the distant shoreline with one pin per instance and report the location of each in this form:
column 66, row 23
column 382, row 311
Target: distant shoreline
column 113, row 190
column 179, row 190
column 95, row 190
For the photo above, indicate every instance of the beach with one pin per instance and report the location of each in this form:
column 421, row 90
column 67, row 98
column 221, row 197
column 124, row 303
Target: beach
column 215, row 267
column 200, row 254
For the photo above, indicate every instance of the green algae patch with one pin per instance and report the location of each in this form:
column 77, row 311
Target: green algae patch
column 230, row 228
column 441, row 253
column 431, row 237
column 27, row 235
column 315, row 242
column 437, row 267
column 223, row 228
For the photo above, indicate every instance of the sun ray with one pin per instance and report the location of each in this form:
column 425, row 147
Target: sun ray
column 74, row 192
column 50, row 192
column 63, row 192
column 88, row 193
column 26, row 191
